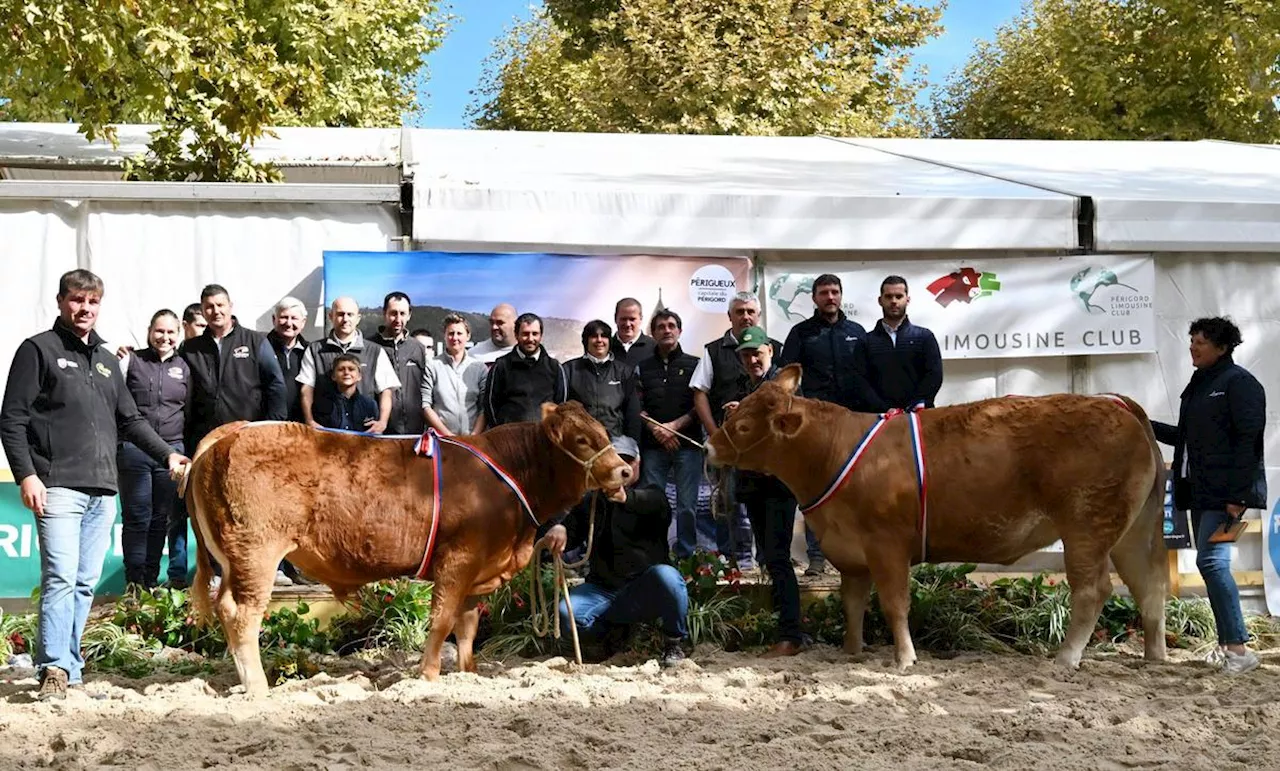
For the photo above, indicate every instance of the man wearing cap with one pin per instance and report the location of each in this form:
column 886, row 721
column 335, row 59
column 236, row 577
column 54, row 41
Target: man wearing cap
column 630, row 579
column 770, row 506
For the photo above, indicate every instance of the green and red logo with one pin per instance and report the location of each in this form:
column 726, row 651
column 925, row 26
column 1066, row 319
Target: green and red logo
column 964, row 285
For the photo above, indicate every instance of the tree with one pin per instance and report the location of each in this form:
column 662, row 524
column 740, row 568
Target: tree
column 774, row 67
column 1123, row 69
column 214, row 74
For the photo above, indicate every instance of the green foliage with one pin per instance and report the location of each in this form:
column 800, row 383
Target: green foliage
column 17, row 634
column 765, row 67
column 388, row 614
column 289, row 628
column 163, row 615
column 213, row 74
column 1123, row 69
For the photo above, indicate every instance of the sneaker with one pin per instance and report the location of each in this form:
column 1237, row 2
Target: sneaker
column 816, row 567
column 1239, row 663
column 282, row 579
column 1216, row 657
column 53, row 684
column 672, row 653
column 181, row 584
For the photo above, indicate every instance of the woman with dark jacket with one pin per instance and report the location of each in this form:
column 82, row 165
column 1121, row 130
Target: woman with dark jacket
column 158, row 380
column 606, row 387
column 1218, row 471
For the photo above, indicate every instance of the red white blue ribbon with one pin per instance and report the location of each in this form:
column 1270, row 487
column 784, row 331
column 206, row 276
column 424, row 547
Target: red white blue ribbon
column 917, row 454
column 437, row 473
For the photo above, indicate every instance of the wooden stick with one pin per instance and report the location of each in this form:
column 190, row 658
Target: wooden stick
column 688, row 439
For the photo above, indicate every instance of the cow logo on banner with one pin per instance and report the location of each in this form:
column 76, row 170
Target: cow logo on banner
column 1086, row 283
column 964, row 285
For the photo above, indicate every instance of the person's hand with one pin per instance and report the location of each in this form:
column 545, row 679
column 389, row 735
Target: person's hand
column 124, row 351
column 1235, row 510
column 34, row 494
column 176, row 461
column 555, row 539
column 375, row 426
column 314, row 424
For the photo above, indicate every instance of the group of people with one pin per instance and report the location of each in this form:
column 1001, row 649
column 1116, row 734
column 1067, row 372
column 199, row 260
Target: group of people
column 77, row 429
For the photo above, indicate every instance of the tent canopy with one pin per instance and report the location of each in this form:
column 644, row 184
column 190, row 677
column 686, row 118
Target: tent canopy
column 634, row 192
column 1149, row 196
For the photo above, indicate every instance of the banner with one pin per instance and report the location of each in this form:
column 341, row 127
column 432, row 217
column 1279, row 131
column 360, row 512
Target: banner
column 1271, row 558
column 567, row 291
column 991, row 308
column 20, row 549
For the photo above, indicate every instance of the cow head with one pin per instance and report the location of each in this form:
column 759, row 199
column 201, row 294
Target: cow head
column 748, row 439
column 580, row 436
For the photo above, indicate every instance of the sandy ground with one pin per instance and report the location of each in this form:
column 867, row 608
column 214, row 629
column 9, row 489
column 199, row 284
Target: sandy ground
column 821, row 709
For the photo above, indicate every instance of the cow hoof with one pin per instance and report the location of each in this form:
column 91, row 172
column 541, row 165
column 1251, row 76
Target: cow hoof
column 904, row 664
column 1068, row 662
column 853, row 649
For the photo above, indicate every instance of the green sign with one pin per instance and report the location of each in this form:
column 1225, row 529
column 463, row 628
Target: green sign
column 20, row 549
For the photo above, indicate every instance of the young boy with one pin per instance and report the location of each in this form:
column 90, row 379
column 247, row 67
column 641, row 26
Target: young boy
column 352, row 410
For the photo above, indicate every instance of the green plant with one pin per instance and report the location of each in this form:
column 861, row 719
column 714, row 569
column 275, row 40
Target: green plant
column 711, row 621
column 164, row 615
column 288, row 628
column 109, row 648
column 388, row 614
column 17, row 634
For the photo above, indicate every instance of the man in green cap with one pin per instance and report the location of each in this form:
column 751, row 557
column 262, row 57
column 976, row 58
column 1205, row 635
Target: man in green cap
column 770, row 506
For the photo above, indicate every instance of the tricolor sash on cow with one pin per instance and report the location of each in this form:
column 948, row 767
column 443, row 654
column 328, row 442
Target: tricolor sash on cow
column 428, row 446
column 917, row 454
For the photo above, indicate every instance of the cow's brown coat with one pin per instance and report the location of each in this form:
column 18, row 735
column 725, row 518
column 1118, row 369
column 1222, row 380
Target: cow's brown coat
column 1005, row 477
column 350, row 509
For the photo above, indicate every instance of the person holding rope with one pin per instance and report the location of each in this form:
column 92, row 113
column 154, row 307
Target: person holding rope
column 630, row 579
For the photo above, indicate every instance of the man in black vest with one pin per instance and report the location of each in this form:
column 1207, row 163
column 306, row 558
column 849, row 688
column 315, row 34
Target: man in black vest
column 522, row 380
column 409, row 358
column 629, row 345
column 288, row 319
column 719, row 379
column 378, row 377
column 234, row 372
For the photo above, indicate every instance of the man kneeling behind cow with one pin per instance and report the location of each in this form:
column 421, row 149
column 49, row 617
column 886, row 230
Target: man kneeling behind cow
column 350, row 509
column 995, row 480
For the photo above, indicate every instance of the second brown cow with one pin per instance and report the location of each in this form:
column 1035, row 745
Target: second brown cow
column 350, row 509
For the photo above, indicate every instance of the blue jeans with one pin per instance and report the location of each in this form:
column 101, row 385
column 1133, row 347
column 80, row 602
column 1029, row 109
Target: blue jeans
column 178, row 567
column 733, row 532
column 74, row 533
column 657, row 594
column 811, row 545
column 148, row 498
column 1214, row 563
column 656, row 466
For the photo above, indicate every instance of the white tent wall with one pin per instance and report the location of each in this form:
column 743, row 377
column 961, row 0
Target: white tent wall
column 158, row 254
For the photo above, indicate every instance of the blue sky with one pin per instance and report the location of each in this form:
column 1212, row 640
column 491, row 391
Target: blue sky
column 456, row 66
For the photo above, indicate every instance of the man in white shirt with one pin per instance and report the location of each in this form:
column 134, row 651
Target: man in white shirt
column 502, row 335
column 318, row 391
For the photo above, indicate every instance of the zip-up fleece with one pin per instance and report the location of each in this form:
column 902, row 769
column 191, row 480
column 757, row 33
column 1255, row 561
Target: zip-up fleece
column 65, row 409
column 160, row 388
column 608, row 391
column 518, row 386
column 240, row 381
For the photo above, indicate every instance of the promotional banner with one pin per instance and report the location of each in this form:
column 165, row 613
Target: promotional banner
column 20, row 550
column 990, row 308
column 1271, row 558
column 567, row 291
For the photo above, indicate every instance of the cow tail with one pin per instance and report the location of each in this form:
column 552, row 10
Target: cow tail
column 1152, row 514
column 201, row 601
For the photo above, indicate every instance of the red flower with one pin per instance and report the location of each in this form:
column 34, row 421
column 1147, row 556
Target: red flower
column 519, row 602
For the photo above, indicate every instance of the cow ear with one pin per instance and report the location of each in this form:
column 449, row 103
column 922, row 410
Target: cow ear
column 548, row 409
column 788, row 424
column 789, row 378
column 552, row 422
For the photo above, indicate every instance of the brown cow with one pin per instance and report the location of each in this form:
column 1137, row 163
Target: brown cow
column 1004, row 477
column 350, row 509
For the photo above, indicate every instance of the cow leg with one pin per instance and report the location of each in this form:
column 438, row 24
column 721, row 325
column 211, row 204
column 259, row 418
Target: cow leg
column 1090, row 583
column 446, row 600
column 242, row 600
column 464, row 631
column 1142, row 561
column 855, row 593
column 892, row 576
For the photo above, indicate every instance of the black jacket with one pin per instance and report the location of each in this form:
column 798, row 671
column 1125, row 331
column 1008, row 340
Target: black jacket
column 609, row 393
column 290, row 361
column 65, row 408
column 630, row 537
column 905, row 373
column 517, row 386
column 641, row 349
column 409, row 358
column 834, row 358
column 160, row 389
column 241, row 382
column 665, row 394
column 1219, row 439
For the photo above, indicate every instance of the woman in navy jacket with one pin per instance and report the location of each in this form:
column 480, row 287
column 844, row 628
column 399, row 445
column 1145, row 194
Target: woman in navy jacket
column 1217, row 469
column 158, row 379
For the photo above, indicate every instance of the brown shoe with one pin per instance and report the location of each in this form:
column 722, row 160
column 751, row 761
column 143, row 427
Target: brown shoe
column 53, row 684
column 784, row 648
